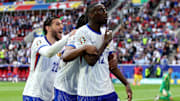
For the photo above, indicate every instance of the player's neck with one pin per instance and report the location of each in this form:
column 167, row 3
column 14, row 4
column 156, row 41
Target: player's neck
column 94, row 26
column 50, row 38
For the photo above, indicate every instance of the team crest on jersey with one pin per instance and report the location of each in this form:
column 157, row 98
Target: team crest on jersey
column 38, row 42
column 82, row 40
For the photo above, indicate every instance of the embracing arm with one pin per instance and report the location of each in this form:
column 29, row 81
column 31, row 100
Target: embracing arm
column 50, row 51
column 71, row 53
column 92, row 59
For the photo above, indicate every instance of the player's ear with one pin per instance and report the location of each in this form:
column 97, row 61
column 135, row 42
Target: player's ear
column 47, row 28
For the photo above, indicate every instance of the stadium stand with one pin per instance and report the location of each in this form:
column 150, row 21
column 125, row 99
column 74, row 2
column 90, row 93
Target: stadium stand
column 146, row 33
column 149, row 38
column 14, row 26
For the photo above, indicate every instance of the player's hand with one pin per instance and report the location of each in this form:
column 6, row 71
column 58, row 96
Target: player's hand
column 91, row 50
column 112, row 59
column 129, row 92
column 108, row 36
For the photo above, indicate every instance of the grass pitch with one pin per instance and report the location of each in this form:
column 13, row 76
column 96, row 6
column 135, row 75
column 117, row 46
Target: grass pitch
column 146, row 92
column 13, row 92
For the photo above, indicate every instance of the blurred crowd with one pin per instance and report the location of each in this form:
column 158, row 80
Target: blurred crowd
column 46, row 1
column 146, row 35
column 15, row 26
column 149, row 36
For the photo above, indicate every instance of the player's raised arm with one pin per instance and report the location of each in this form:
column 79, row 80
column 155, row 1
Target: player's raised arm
column 113, row 67
column 50, row 51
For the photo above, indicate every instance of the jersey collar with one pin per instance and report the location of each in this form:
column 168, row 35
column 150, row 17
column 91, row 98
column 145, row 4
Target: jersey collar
column 99, row 33
column 47, row 40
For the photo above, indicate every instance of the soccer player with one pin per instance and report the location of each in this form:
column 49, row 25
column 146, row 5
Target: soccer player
column 15, row 71
column 165, row 87
column 44, row 62
column 94, row 83
column 67, row 76
column 137, row 74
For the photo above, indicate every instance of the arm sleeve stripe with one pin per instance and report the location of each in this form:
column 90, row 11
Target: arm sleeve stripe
column 71, row 45
column 41, row 47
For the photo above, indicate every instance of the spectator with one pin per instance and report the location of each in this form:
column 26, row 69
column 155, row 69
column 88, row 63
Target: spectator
column 16, row 64
column 174, row 61
column 158, row 71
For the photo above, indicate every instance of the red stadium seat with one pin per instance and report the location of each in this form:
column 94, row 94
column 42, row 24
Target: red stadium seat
column 23, row 74
column 27, row 73
column 4, row 75
column 1, row 72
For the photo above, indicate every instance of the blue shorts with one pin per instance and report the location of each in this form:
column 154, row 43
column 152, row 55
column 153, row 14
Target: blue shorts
column 63, row 96
column 109, row 97
column 29, row 98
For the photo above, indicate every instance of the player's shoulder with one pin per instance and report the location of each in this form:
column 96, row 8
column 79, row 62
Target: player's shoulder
column 82, row 29
column 38, row 41
column 166, row 75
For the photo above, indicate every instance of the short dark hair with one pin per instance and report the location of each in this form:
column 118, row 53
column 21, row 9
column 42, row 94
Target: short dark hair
column 82, row 21
column 48, row 22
